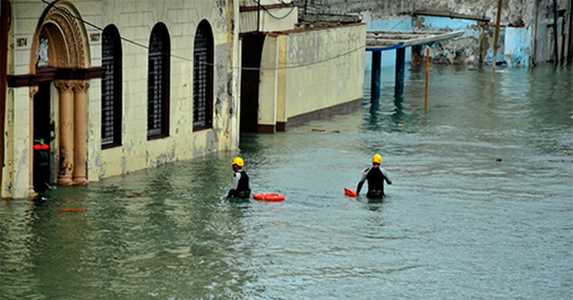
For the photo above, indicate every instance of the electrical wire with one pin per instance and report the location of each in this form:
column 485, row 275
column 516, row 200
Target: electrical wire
column 205, row 63
column 271, row 14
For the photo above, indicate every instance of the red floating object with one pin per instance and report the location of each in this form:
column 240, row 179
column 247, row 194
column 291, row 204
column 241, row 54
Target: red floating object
column 350, row 192
column 71, row 209
column 269, row 196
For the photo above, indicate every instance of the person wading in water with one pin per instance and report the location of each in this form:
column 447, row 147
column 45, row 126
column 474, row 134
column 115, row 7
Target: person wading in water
column 241, row 185
column 375, row 176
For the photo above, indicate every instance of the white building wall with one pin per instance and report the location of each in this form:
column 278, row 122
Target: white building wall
column 308, row 71
column 134, row 20
column 324, row 68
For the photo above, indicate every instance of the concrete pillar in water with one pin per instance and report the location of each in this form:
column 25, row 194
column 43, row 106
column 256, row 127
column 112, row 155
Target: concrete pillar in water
column 400, row 65
column 66, row 165
column 80, row 132
column 375, row 81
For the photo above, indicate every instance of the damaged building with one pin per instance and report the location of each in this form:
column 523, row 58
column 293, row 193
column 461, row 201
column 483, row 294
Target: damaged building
column 532, row 32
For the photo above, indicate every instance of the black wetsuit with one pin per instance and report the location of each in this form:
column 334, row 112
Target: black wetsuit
column 375, row 177
column 241, row 185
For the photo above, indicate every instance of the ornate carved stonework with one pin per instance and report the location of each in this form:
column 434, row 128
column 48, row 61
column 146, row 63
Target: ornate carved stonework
column 81, row 86
column 72, row 34
column 33, row 91
column 63, row 86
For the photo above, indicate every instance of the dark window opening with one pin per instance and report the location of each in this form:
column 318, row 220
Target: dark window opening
column 158, row 83
column 111, row 104
column 203, row 78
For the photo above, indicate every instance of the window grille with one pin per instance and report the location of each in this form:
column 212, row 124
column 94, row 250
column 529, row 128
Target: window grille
column 157, row 83
column 111, row 88
column 203, row 78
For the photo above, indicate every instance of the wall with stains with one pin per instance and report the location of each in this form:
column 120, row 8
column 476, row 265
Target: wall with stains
column 304, row 71
column 512, row 10
column 464, row 49
column 520, row 17
column 134, row 20
column 183, row 143
column 324, row 68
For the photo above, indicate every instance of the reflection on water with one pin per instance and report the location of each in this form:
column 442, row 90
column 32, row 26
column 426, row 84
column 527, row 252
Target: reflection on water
column 480, row 207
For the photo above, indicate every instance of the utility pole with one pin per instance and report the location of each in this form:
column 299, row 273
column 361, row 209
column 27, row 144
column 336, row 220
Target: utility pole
column 570, row 18
column 495, row 38
column 555, row 33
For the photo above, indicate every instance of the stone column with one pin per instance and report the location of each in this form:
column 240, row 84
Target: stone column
column 80, row 131
column 31, row 192
column 66, row 166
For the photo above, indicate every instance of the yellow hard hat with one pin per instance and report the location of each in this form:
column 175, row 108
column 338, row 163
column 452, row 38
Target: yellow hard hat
column 377, row 158
column 238, row 161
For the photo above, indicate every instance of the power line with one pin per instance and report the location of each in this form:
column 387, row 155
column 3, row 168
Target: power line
column 205, row 63
column 273, row 16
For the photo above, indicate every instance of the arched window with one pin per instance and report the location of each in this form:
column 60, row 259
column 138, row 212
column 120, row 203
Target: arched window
column 158, row 83
column 111, row 104
column 203, row 77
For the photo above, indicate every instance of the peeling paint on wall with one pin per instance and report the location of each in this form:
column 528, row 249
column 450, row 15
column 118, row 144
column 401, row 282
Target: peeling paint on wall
column 517, row 46
column 136, row 152
column 464, row 49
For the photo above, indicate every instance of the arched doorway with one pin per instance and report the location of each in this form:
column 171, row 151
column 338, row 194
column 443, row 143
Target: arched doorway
column 60, row 61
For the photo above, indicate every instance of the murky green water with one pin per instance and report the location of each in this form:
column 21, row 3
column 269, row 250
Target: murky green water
column 457, row 224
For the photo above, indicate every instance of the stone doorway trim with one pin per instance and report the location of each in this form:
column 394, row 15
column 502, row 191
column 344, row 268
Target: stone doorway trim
column 60, row 53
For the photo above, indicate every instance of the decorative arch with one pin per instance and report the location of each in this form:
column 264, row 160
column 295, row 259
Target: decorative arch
column 67, row 37
column 60, row 54
column 66, row 63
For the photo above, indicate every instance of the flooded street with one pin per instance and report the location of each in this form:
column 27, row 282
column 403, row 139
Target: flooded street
column 481, row 207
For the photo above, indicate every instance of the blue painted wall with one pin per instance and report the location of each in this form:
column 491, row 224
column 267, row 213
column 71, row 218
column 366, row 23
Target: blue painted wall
column 514, row 42
column 464, row 49
column 517, row 47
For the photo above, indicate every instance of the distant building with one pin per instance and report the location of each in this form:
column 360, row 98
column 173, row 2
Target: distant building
column 531, row 32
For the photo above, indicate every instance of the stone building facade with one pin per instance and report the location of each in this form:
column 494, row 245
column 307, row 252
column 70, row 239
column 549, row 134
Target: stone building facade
column 100, row 88
column 103, row 88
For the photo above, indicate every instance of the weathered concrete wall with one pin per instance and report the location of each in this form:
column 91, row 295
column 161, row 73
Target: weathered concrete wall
column 512, row 11
column 376, row 8
column 134, row 20
column 304, row 71
column 329, row 71
column 269, row 73
column 382, row 15
column 181, row 19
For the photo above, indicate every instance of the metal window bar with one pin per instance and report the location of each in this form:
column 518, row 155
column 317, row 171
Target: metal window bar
column 154, row 86
column 108, row 122
column 201, row 80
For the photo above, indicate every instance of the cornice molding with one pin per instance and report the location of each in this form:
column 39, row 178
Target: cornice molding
column 51, row 74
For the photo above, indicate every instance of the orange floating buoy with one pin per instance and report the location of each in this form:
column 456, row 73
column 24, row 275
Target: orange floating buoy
column 71, row 209
column 269, row 196
column 350, row 192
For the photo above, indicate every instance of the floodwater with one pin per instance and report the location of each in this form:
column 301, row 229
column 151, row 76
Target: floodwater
column 481, row 207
